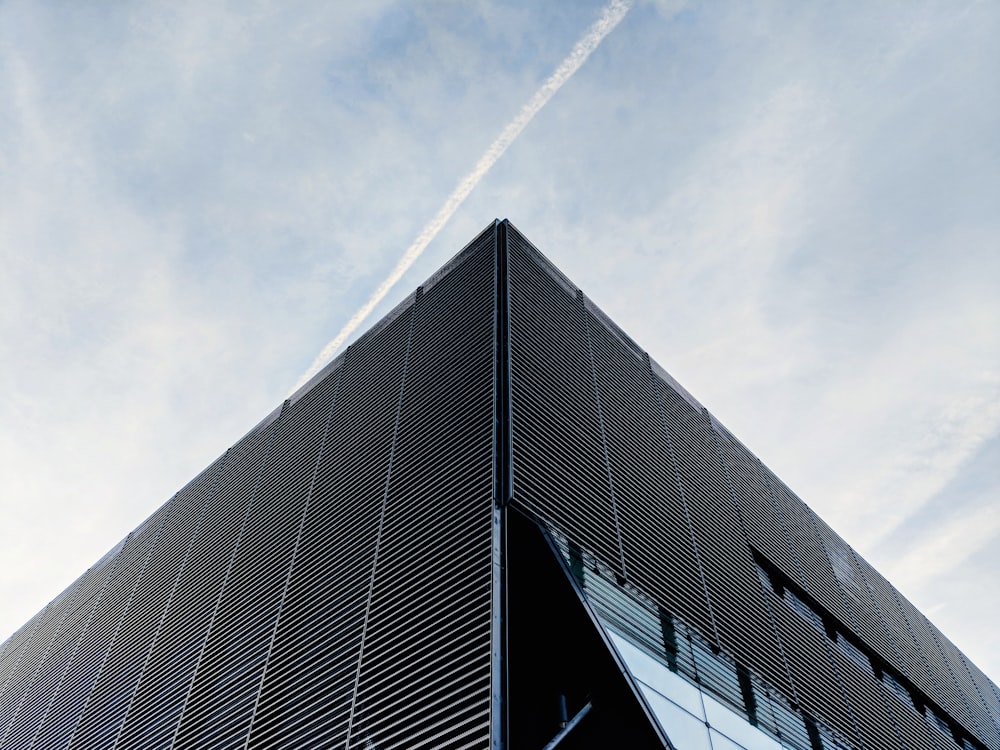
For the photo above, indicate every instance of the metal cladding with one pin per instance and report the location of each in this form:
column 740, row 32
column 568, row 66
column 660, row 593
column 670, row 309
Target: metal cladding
column 338, row 577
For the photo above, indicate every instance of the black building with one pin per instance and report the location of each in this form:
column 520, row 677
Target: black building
column 492, row 522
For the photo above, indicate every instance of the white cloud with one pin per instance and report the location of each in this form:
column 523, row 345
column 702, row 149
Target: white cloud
column 944, row 548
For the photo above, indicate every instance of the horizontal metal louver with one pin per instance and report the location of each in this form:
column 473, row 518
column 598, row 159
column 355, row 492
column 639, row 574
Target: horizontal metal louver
column 659, row 551
column 685, row 496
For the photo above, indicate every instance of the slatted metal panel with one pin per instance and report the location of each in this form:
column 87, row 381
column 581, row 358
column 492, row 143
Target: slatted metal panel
column 13, row 652
column 987, row 689
column 817, row 574
column 660, row 557
column 896, row 643
column 155, row 705
column 946, row 693
column 220, row 699
column 402, row 499
column 41, row 668
column 857, row 606
column 312, row 650
column 816, row 683
column 36, row 698
column 741, row 614
column 120, row 672
column 732, row 501
column 834, row 584
column 914, row 730
column 435, row 540
column 766, row 529
column 560, row 464
column 866, row 703
column 22, row 662
column 973, row 699
column 70, row 697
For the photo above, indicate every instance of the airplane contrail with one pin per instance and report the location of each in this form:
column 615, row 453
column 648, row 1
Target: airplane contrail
column 611, row 15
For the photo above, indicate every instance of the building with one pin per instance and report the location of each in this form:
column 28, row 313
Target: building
column 492, row 522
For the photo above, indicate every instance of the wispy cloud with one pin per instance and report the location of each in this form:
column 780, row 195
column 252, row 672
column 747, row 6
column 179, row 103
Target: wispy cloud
column 611, row 16
column 944, row 548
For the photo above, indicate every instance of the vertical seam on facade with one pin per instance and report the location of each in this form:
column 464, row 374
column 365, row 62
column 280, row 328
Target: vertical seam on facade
column 600, row 421
column 877, row 608
column 41, row 660
column 979, row 692
column 229, row 569
column 504, row 450
column 830, row 645
column 675, row 465
column 958, row 688
column 779, row 514
column 784, row 522
column 920, row 650
column 295, row 547
column 899, row 660
column 916, row 642
column 210, row 495
column 112, row 568
column 896, row 727
column 826, row 553
column 743, row 527
column 381, row 520
column 24, row 648
column 121, row 620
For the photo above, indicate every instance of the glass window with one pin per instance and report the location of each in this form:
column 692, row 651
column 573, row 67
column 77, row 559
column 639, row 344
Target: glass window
column 764, row 712
column 832, row 743
column 765, row 579
column 668, row 635
column 734, row 726
column 686, row 732
column 938, row 721
column 854, row 653
column 721, row 742
column 576, row 562
column 804, row 609
column 655, row 675
column 790, row 726
column 898, row 688
column 717, row 675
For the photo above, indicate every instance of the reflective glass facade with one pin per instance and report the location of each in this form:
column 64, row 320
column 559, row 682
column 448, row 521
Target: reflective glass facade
column 492, row 522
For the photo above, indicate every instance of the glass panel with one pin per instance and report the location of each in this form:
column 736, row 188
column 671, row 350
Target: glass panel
column 832, row 743
column 854, row 653
column 736, row 727
column 790, row 726
column 765, row 579
column 721, row 742
column 897, row 687
column 805, row 610
column 717, row 675
column 684, row 730
column 655, row 675
column 765, row 712
column 938, row 722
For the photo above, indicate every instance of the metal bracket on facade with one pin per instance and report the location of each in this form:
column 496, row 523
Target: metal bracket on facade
column 569, row 726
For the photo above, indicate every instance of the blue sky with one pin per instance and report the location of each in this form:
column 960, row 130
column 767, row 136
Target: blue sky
column 793, row 207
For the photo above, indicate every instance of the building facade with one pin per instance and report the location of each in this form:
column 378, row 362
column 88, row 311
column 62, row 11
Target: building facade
column 492, row 522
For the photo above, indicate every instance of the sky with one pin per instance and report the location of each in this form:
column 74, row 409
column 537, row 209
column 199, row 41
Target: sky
column 794, row 207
